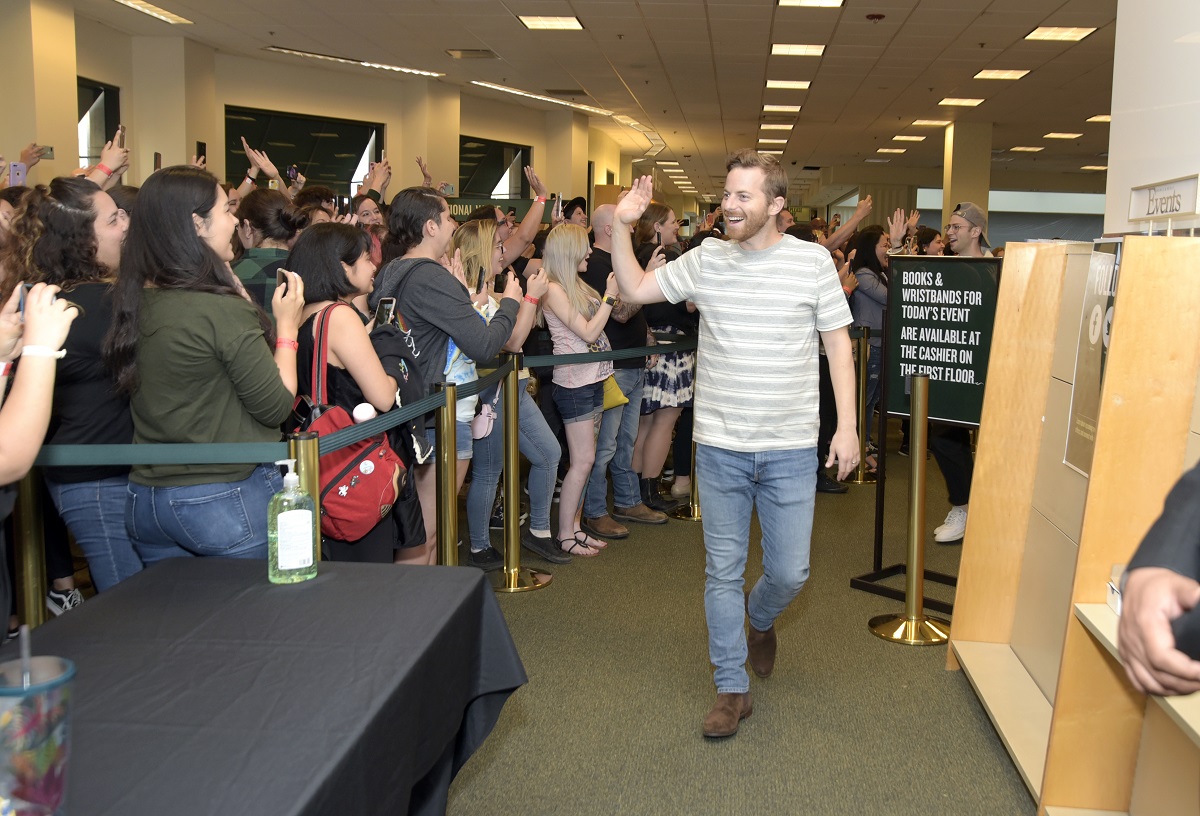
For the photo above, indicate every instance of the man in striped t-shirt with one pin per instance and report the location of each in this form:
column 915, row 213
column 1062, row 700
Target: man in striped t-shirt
column 765, row 301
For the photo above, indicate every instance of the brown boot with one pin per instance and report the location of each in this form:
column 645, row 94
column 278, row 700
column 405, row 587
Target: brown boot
column 761, row 646
column 727, row 714
column 604, row 527
column 639, row 513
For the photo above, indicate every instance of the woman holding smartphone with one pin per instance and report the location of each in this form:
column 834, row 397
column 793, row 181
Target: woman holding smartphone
column 200, row 363
column 481, row 250
column 575, row 314
column 69, row 234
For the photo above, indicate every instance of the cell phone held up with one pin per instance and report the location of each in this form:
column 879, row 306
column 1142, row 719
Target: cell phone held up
column 281, row 280
column 25, row 287
column 385, row 311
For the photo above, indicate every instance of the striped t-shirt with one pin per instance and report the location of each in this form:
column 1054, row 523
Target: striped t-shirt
column 760, row 314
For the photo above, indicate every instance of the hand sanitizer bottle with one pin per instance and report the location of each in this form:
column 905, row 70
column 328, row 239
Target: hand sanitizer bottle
column 292, row 536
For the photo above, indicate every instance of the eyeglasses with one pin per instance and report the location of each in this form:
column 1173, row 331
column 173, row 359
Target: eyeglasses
column 957, row 227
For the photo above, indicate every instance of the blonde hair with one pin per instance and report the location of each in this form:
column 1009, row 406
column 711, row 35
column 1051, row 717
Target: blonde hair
column 566, row 247
column 477, row 240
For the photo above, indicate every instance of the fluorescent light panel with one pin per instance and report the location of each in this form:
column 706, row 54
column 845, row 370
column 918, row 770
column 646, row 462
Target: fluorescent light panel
column 1058, row 34
column 788, row 84
column 667, row 163
column 796, row 50
column 961, row 102
column 360, row 63
column 772, row 141
column 772, row 152
column 1026, row 149
column 812, row 3
column 781, row 108
column 1101, row 117
column 892, row 150
column 908, row 138
column 1062, row 135
column 776, row 127
column 540, row 98
column 931, row 123
column 995, row 74
column 1094, row 167
column 155, row 11
column 551, row 23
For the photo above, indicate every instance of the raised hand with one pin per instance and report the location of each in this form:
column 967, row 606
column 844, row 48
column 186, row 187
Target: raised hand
column 287, row 305
column 535, row 183
column 863, row 209
column 31, row 154
column 426, row 178
column 896, row 227
column 635, row 202
column 537, row 283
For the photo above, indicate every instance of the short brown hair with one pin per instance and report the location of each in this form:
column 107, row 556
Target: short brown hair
column 775, row 183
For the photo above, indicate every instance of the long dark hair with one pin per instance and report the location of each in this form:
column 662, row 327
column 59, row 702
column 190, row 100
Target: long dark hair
column 52, row 237
column 925, row 237
column 162, row 249
column 864, row 251
column 318, row 256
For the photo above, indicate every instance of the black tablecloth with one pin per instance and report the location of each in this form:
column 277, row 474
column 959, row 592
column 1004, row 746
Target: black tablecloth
column 204, row 689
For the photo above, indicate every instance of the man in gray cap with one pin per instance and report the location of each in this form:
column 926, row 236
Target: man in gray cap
column 951, row 445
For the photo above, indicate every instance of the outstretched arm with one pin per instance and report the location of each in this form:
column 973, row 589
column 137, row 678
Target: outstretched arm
column 846, row 230
column 527, row 230
column 636, row 284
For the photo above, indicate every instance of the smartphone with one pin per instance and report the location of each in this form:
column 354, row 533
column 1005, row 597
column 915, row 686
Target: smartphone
column 120, row 135
column 281, row 279
column 25, row 287
column 158, row 161
column 201, row 150
column 47, row 152
column 17, row 171
column 292, row 172
column 558, row 206
column 385, row 311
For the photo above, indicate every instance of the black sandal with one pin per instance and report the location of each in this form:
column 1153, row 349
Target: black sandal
column 574, row 546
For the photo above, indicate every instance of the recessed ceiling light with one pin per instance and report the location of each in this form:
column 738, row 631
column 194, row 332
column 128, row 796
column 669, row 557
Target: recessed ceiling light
column 812, row 3
column 1094, row 167
column 1058, row 34
column 156, row 12
column 891, row 150
column 1102, row 117
column 789, row 84
column 552, row 23
column 776, row 127
column 992, row 74
column 961, row 102
column 908, row 138
column 360, row 63
column 540, row 98
column 796, row 50
column 781, row 108
column 931, row 122
column 772, row 152
column 1027, row 149
column 772, row 141
column 877, row 161
column 667, row 163
column 1062, row 135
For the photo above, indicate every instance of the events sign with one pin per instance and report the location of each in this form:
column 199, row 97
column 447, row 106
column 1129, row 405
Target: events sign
column 1178, row 198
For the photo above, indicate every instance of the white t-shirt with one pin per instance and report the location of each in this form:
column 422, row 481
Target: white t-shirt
column 757, row 385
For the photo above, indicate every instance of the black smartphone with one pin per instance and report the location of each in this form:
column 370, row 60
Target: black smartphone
column 385, row 311
column 120, row 135
column 281, row 279
column 201, row 150
column 158, row 161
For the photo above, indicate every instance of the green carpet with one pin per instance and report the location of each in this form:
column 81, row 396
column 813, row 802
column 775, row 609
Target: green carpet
column 619, row 682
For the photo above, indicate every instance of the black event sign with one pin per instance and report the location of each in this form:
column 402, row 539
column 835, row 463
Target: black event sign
column 939, row 322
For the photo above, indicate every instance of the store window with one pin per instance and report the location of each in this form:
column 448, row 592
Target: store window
column 492, row 169
column 99, row 115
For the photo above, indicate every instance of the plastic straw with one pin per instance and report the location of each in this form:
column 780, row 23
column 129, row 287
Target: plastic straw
column 26, row 656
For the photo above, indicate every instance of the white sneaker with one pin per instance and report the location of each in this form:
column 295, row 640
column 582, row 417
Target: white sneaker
column 954, row 527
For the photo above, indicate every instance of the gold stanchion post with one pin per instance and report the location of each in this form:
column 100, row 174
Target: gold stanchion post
column 304, row 447
column 30, row 552
column 912, row 627
column 691, row 510
column 512, row 577
column 447, row 493
column 861, row 475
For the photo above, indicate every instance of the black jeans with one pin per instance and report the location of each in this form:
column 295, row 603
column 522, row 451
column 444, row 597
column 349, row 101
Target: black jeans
column 951, row 447
column 827, row 412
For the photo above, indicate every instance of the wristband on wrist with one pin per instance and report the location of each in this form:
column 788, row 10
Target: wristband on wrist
column 531, row 299
column 540, row 199
column 6, row 370
column 848, row 291
column 284, row 343
column 43, row 351
column 610, row 300
column 104, row 168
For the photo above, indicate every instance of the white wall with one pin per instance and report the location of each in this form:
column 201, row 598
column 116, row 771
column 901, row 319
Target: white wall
column 1156, row 101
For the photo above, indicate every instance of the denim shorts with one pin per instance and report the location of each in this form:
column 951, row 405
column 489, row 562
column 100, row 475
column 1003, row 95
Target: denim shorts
column 579, row 404
column 462, row 440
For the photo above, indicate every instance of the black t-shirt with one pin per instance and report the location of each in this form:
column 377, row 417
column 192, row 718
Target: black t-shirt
column 667, row 315
column 630, row 334
column 87, row 409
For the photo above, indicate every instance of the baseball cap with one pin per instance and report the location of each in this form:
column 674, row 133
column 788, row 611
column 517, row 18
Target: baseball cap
column 974, row 214
column 577, row 203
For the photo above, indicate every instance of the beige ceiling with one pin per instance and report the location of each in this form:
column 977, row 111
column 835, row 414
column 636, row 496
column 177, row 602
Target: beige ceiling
column 695, row 70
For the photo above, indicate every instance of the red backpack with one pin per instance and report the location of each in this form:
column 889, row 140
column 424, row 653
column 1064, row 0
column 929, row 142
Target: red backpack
column 359, row 483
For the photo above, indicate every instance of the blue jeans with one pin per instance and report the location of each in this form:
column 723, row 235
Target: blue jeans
column 94, row 512
column 874, row 371
column 614, row 448
column 540, row 446
column 227, row 519
column 487, row 463
column 782, row 485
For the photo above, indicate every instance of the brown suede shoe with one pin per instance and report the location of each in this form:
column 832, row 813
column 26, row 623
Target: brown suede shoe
column 761, row 646
column 640, row 513
column 727, row 714
column 604, row 527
